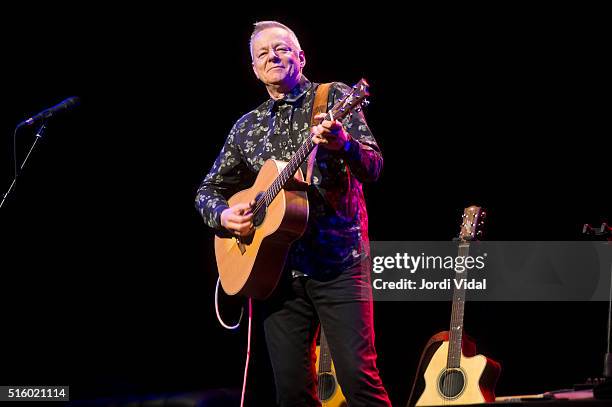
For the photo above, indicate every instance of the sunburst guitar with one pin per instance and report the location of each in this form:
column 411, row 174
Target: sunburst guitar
column 328, row 389
column 454, row 373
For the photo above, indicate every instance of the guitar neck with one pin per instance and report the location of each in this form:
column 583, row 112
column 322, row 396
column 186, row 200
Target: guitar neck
column 289, row 170
column 325, row 360
column 456, row 326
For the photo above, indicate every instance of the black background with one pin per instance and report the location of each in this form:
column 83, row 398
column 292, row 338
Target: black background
column 107, row 270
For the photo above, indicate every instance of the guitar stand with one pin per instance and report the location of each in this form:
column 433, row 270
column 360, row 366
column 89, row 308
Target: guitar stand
column 604, row 231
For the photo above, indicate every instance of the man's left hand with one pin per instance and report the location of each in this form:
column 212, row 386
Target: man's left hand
column 329, row 134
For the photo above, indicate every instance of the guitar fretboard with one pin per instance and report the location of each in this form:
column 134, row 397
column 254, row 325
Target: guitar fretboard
column 290, row 169
column 456, row 326
column 325, row 359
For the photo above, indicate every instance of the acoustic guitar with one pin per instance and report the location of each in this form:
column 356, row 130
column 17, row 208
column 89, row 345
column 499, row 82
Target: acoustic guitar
column 454, row 374
column 252, row 265
column 329, row 391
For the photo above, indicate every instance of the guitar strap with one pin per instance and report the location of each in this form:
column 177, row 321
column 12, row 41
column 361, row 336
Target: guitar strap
column 319, row 106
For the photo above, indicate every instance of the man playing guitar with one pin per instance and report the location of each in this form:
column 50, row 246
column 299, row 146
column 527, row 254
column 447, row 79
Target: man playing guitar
column 326, row 277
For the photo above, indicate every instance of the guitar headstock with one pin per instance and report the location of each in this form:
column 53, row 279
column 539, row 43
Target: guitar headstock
column 354, row 100
column 472, row 223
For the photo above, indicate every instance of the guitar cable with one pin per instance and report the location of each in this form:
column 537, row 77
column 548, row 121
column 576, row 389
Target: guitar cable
column 223, row 324
column 234, row 327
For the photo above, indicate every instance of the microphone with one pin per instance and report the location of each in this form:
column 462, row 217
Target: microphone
column 67, row 104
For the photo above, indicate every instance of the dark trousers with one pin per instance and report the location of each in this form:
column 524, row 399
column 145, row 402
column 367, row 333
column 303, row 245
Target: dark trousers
column 343, row 305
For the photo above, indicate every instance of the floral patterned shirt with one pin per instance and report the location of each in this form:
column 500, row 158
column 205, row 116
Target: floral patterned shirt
column 336, row 236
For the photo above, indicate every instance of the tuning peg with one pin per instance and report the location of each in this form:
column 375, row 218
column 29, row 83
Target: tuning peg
column 366, row 102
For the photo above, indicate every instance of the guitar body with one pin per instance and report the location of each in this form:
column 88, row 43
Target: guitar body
column 473, row 382
column 252, row 265
column 330, row 393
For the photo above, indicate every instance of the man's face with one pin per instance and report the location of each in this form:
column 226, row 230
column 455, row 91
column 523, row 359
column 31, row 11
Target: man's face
column 276, row 59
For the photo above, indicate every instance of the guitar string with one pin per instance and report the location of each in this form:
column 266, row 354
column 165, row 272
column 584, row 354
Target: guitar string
column 447, row 376
column 328, row 362
column 329, row 384
column 457, row 339
column 458, row 317
column 325, row 361
column 456, row 347
column 446, row 383
column 322, row 363
column 320, row 376
column 462, row 316
column 452, row 339
column 319, row 370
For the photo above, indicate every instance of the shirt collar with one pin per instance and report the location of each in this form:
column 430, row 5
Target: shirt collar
column 294, row 95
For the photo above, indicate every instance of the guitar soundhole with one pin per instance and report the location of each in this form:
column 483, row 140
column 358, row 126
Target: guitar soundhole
column 260, row 215
column 327, row 386
column 451, row 383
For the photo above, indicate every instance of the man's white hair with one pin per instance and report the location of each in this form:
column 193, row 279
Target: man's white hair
column 264, row 25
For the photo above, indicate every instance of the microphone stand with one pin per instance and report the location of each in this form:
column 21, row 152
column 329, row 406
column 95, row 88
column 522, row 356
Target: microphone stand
column 602, row 388
column 39, row 135
column 608, row 357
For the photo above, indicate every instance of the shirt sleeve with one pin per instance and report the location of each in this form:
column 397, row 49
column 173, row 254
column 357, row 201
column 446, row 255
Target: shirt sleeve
column 225, row 178
column 361, row 153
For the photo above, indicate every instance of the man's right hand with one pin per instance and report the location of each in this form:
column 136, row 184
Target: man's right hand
column 238, row 219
